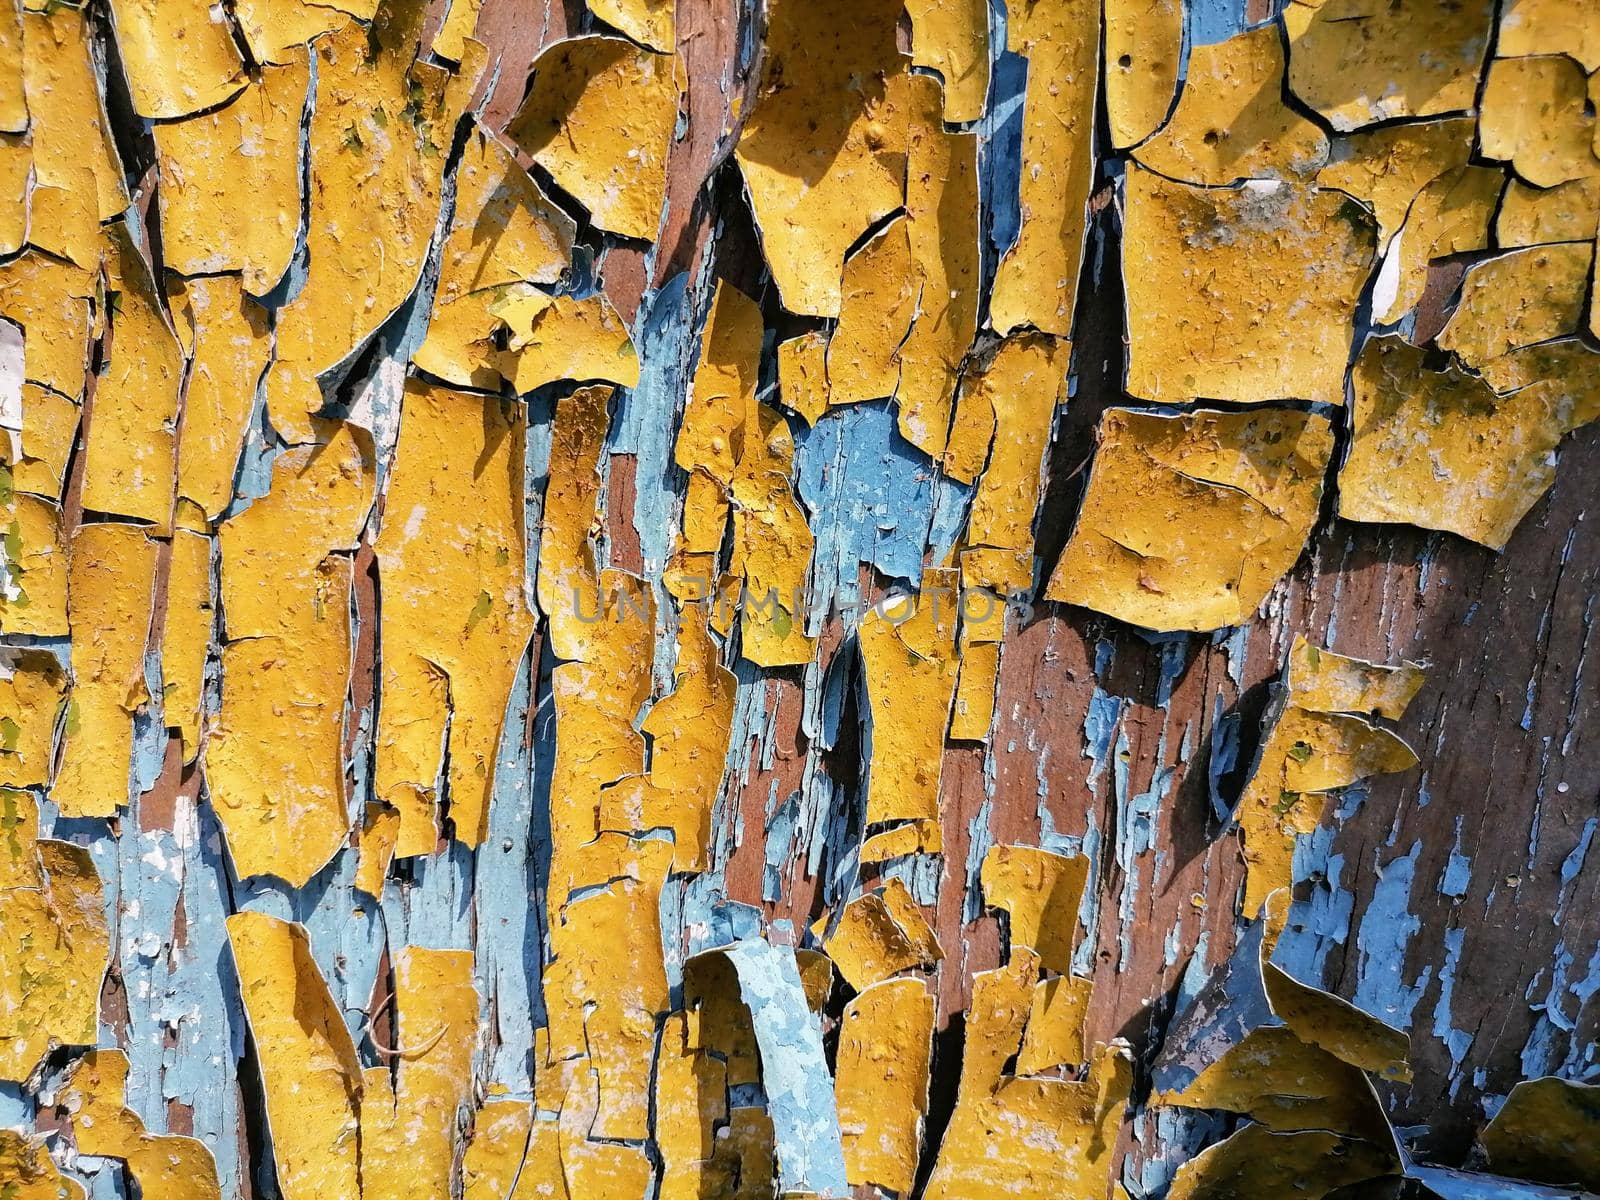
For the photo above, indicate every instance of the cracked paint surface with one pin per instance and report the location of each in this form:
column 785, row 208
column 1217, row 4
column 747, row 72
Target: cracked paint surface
column 654, row 600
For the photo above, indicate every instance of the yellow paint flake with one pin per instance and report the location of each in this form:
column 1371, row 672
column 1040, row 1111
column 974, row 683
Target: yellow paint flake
column 460, row 21
column 1570, row 365
column 1531, row 27
column 599, row 117
column 49, row 429
column 722, row 393
column 803, row 375
column 1229, row 125
column 1317, row 745
column 186, row 636
column 649, row 22
column 879, row 934
column 1034, row 1138
column 1246, row 295
column 16, row 168
column 1439, row 449
column 1190, row 520
column 942, row 225
column 130, row 442
column 1526, row 296
column 908, row 652
column 823, row 152
column 691, row 1101
column 1040, row 891
column 33, row 688
column 1037, row 280
column 594, row 1168
column 50, row 300
column 223, row 209
column 274, row 757
column 1287, row 1085
column 179, row 1168
column 309, row 1073
column 1537, row 116
column 1451, row 215
column 1257, row 1162
column 689, row 730
column 973, row 713
column 609, row 1014
column 719, row 1021
column 381, row 129
column 493, row 1156
column 33, row 581
column 454, row 621
column 13, row 98
column 1357, row 63
column 1322, row 681
column 951, row 37
column 505, row 235
column 276, row 29
column 553, row 338
column 110, row 589
column 380, row 833
column 875, row 312
column 410, row 1119
column 1055, row 1034
column 1531, row 216
column 772, row 544
column 66, row 111
column 1546, row 1131
column 1386, row 168
column 231, row 346
column 27, row 1172
column 179, row 58
column 568, row 579
column 57, row 946
column 1144, row 50
column 1021, row 384
column 881, row 1082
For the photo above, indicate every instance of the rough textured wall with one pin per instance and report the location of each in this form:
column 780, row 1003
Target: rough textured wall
column 833, row 597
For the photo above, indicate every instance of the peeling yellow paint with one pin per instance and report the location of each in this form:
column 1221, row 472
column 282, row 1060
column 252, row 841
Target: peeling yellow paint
column 951, row 37
column 1037, row 281
column 1537, row 116
column 555, row 338
column 454, row 622
column 942, row 225
column 1315, row 746
column 66, row 111
column 1488, row 458
column 772, row 544
column 600, row 117
column 879, row 934
column 275, row 29
column 1531, row 216
column 1257, row 1162
column 27, row 1173
column 274, row 757
column 650, row 22
column 1386, row 168
column 1546, row 1131
column 1230, row 123
column 881, row 1082
column 494, row 1154
column 1190, row 520
column 174, row 1168
column 1451, row 215
column 223, row 209
column 908, row 652
column 110, row 588
column 878, row 301
column 33, row 597
column 49, row 429
column 55, row 953
column 309, row 1073
column 231, row 345
column 186, row 636
column 52, row 300
column 1144, row 52
column 823, row 151
column 1056, row 1023
column 33, row 689
column 1040, row 892
column 178, row 57
column 130, row 442
column 1356, row 61
column 1530, row 27
column 505, row 235
column 375, row 845
column 459, row 23
column 1248, row 325
column 1526, row 296
column 802, row 375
